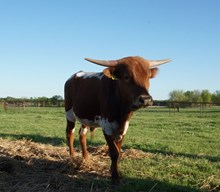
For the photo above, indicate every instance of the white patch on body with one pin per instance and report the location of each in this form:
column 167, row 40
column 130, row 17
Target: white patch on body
column 70, row 115
column 108, row 127
column 85, row 75
column 83, row 131
column 87, row 122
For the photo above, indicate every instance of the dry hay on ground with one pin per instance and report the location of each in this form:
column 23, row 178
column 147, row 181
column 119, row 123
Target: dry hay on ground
column 29, row 166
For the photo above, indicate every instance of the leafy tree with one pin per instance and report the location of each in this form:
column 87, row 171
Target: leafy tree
column 216, row 97
column 196, row 97
column 177, row 95
column 189, row 95
column 206, row 96
column 10, row 99
column 56, row 99
column 43, row 101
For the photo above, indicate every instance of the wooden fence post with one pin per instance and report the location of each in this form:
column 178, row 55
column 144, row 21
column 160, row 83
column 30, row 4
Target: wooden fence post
column 5, row 106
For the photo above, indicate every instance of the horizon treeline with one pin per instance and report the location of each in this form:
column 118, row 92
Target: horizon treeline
column 56, row 100
column 195, row 96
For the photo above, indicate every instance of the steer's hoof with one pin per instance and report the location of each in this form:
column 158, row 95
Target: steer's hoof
column 115, row 180
column 72, row 154
column 86, row 158
column 115, row 183
column 118, row 138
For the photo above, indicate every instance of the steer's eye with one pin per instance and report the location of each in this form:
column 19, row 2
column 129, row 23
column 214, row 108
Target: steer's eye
column 126, row 78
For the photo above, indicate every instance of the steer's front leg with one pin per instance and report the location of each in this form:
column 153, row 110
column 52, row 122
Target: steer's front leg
column 114, row 153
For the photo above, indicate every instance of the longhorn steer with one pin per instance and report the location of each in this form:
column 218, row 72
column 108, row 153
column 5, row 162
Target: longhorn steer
column 107, row 100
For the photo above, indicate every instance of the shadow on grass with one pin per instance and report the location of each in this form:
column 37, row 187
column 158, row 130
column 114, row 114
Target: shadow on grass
column 57, row 175
column 133, row 184
column 55, row 141
column 170, row 153
column 48, row 176
column 130, row 185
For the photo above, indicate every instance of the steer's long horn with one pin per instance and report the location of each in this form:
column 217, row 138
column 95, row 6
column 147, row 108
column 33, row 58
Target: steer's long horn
column 154, row 63
column 106, row 63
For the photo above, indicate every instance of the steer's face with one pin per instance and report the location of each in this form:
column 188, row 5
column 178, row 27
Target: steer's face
column 133, row 75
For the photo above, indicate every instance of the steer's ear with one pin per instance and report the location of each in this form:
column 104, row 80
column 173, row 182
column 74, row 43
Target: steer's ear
column 153, row 72
column 109, row 72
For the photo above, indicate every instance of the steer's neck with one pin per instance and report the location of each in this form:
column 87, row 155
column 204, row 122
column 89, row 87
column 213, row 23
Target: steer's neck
column 112, row 106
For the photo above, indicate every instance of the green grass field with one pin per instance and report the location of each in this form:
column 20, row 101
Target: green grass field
column 183, row 147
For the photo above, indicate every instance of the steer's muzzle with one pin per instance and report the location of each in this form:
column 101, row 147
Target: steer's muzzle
column 142, row 101
column 145, row 100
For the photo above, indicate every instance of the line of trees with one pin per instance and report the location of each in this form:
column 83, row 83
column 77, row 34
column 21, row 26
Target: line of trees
column 195, row 96
column 56, row 100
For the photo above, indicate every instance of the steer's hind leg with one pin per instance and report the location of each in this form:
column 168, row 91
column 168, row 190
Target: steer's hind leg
column 70, row 128
column 70, row 136
column 82, row 138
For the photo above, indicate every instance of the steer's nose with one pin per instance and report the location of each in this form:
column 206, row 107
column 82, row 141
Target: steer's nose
column 145, row 100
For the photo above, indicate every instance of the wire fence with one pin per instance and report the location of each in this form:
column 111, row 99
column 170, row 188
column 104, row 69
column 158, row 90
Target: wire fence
column 167, row 106
column 22, row 105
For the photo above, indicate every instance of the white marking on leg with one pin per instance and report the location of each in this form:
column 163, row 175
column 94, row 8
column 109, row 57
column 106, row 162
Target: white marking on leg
column 83, row 131
column 70, row 115
column 125, row 128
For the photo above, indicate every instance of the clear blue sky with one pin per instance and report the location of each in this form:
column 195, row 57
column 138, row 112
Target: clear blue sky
column 43, row 42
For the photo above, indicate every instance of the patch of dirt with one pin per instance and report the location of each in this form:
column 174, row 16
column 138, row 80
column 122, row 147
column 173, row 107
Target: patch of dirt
column 30, row 166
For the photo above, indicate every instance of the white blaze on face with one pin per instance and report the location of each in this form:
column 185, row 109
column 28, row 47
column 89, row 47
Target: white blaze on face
column 85, row 75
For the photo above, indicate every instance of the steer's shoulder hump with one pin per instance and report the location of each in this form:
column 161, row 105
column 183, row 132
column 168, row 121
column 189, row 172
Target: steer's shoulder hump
column 86, row 75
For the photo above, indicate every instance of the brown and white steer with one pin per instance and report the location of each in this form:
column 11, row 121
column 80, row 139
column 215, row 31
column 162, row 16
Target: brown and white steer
column 107, row 100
